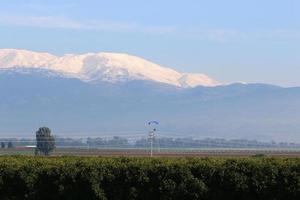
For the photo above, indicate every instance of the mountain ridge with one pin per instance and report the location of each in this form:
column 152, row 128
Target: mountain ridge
column 99, row 67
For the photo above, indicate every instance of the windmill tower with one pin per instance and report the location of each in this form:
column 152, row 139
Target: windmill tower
column 151, row 136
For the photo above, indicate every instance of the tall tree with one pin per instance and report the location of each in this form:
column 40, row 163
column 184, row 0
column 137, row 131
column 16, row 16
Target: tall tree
column 3, row 145
column 45, row 142
column 10, row 145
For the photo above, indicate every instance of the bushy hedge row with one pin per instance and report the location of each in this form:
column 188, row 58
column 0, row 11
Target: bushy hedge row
column 145, row 178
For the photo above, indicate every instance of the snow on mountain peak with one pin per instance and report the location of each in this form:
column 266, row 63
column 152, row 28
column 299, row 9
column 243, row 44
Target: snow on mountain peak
column 193, row 80
column 97, row 67
column 23, row 58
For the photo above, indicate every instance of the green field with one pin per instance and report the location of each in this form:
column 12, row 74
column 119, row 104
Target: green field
column 162, row 152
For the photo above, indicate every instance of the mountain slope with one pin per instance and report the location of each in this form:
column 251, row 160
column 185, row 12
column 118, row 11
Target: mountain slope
column 72, row 107
column 102, row 67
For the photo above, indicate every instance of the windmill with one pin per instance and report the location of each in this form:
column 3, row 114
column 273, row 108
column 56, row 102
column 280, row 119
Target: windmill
column 151, row 135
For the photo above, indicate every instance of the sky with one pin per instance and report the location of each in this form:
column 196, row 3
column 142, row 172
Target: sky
column 232, row 40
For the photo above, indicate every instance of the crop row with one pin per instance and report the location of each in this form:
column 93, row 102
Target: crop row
column 24, row 177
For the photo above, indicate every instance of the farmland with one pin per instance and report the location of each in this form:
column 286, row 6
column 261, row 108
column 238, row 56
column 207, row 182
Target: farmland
column 27, row 177
column 163, row 152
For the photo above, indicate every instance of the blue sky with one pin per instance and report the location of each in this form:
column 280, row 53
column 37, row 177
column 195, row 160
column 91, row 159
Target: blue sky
column 232, row 40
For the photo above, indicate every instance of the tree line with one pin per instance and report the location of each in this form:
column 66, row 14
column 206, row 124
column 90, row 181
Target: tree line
column 162, row 142
column 46, row 142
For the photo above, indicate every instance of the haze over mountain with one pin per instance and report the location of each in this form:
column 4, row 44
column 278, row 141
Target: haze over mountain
column 99, row 93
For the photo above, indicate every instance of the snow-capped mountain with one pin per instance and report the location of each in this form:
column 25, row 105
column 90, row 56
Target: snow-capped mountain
column 99, row 67
column 40, row 89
